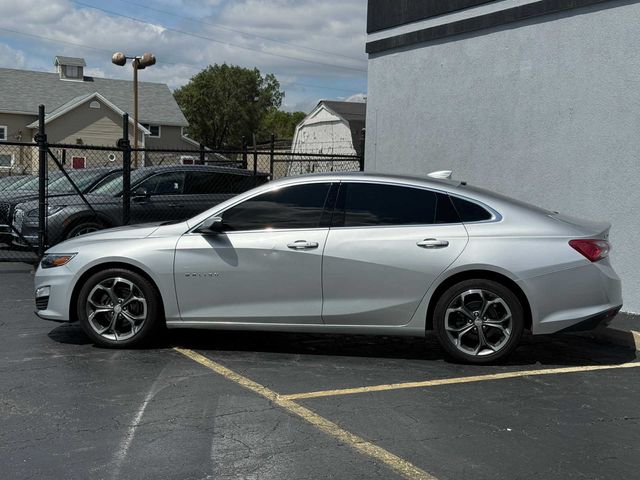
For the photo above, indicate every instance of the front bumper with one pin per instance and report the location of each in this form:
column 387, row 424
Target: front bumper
column 59, row 281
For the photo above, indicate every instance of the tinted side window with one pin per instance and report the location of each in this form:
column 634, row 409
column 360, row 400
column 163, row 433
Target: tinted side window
column 367, row 204
column 170, row 183
column 299, row 206
column 199, row 183
column 469, row 211
column 445, row 211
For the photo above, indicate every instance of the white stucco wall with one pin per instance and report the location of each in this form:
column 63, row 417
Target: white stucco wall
column 547, row 111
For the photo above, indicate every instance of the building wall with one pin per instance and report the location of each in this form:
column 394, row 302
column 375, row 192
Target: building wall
column 170, row 138
column 323, row 132
column 16, row 126
column 17, row 132
column 93, row 126
column 546, row 110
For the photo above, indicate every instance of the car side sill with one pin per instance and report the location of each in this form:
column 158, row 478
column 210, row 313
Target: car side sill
column 302, row 328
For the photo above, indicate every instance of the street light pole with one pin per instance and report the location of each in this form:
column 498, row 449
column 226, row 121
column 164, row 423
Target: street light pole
column 138, row 63
column 135, row 65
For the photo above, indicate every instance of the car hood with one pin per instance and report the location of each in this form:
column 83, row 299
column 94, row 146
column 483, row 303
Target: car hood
column 71, row 199
column 131, row 232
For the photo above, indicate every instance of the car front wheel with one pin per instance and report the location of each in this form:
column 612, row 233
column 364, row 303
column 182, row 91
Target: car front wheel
column 478, row 321
column 119, row 308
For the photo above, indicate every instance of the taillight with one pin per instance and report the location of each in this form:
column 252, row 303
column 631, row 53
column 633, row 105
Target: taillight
column 593, row 250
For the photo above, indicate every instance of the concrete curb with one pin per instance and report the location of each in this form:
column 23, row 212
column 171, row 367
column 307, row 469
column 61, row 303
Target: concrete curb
column 618, row 336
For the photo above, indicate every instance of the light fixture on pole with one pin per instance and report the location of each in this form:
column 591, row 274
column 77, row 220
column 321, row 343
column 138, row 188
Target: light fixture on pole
column 138, row 63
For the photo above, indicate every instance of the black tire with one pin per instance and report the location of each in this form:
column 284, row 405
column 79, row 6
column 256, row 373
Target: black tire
column 82, row 228
column 453, row 298
column 149, row 328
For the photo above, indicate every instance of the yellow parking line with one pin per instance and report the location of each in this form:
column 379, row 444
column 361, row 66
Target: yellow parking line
column 396, row 463
column 452, row 381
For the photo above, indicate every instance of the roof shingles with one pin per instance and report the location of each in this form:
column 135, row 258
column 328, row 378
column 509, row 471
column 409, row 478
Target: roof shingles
column 24, row 90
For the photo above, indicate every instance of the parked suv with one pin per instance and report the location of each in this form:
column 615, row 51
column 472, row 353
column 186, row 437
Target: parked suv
column 58, row 184
column 157, row 194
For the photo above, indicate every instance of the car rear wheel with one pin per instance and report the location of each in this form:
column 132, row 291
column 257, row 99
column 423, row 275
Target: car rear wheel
column 478, row 321
column 118, row 308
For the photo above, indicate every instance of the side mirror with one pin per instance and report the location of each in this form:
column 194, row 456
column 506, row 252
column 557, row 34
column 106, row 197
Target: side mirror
column 211, row 225
column 140, row 193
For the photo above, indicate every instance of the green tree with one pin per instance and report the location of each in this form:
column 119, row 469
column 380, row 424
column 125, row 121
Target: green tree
column 281, row 124
column 224, row 102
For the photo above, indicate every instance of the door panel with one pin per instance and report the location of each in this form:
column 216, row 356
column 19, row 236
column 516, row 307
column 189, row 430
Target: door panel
column 258, row 276
column 379, row 275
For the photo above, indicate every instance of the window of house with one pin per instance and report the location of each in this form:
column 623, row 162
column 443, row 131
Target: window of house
column 298, row 206
column 72, row 71
column 6, row 160
column 154, row 129
column 3, row 133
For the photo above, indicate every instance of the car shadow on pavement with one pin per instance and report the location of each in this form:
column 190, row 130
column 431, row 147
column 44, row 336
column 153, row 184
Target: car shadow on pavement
column 559, row 349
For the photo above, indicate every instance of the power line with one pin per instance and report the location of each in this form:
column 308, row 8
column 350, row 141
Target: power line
column 221, row 27
column 211, row 39
column 191, row 65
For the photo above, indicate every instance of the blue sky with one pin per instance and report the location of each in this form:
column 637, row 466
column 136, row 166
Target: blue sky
column 315, row 48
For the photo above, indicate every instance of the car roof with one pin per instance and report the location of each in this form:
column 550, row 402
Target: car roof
column 199, row 168
column 442, row 183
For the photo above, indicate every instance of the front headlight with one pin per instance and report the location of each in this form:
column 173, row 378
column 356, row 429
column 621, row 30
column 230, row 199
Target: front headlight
column 51, row 210
column 56, row 260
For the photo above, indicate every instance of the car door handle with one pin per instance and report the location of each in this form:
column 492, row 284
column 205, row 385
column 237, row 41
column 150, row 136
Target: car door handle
column 432, row 243
column 302, row 245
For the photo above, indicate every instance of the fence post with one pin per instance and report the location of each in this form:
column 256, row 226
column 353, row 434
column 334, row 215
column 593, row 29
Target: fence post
column 125, row 145
column 255, row 158
column 201, row 154
column 41, row 138
column 245, row 164
column 272, row 151
column 363, row 137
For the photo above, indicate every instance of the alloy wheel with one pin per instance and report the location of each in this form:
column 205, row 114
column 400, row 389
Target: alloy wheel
column 116, row 309
column 478, row 322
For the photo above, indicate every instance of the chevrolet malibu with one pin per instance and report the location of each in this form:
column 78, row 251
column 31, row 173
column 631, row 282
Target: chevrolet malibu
column 342, row 253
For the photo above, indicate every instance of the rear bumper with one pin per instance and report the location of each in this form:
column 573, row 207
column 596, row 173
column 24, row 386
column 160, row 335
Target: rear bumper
column 574, row 299
column 591, row 323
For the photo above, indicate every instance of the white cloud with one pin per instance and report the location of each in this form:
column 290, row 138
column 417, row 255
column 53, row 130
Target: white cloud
column 358, row 97
column 11, row 58
column 328, row 25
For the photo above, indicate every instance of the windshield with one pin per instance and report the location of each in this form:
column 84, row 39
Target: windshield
column 114, row 186
column 32, row 184
column 83, row 179
column 11, row 184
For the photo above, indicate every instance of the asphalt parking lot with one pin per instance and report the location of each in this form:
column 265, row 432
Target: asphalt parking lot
column 230, row 405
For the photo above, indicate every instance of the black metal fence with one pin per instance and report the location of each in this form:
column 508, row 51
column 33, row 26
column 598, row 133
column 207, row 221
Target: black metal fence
column 50, row 192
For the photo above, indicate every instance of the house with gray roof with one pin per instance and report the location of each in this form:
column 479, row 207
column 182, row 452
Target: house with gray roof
column 85, row 110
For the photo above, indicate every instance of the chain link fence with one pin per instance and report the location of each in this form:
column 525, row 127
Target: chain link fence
column 53, row 192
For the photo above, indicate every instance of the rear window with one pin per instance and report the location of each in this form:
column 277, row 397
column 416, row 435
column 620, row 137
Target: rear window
column 469, row 211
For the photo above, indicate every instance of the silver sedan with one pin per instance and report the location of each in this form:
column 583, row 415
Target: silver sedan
column 342, row 253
